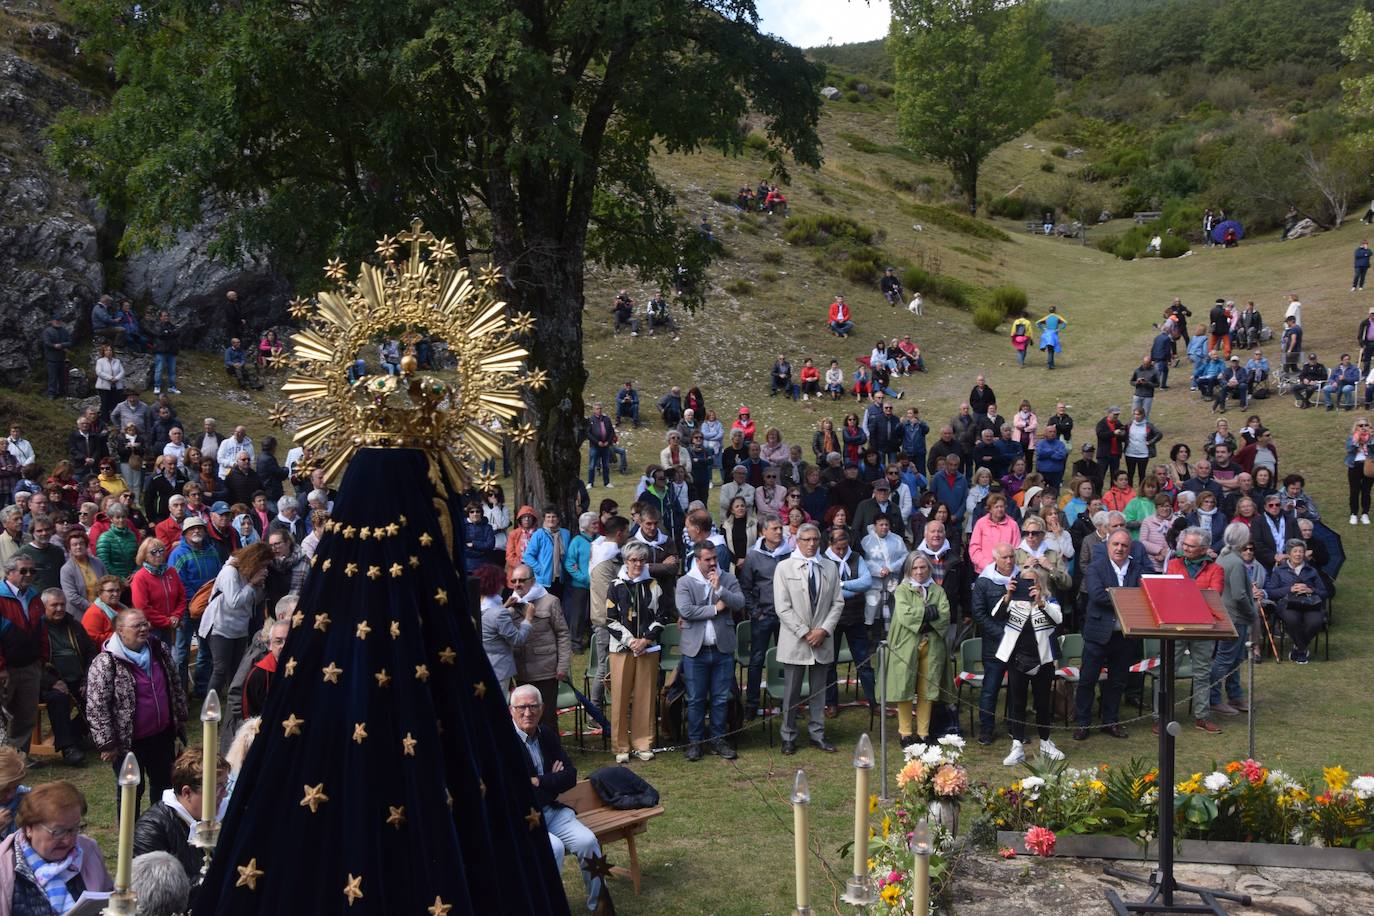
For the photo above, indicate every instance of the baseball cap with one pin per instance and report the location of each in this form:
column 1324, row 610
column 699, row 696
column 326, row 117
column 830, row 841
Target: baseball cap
column 851, row 464
column 1235, row 359
column 881, row 484
column 220, row 508
column 192, row 521
column 1087, row 447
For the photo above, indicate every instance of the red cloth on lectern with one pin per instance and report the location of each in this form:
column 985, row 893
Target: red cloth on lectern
column 1177, row 601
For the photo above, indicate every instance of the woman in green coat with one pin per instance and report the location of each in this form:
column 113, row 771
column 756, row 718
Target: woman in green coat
column 916, row 640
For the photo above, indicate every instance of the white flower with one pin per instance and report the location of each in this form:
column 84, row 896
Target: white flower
column 954, row 741
column 1277, row 778
column 1032, row 785
column 1150, row 797
column 932, row 756
column 1363, row 787
column 1216, row 781
column 912, row 751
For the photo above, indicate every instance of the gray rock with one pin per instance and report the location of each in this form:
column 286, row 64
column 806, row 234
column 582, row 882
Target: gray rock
column 1303, row 229
column 1256, row 886
column 831, row 93
column 1295, row 906
column 862, row 89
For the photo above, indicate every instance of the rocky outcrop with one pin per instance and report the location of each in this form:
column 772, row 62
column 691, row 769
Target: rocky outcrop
column 49, row 230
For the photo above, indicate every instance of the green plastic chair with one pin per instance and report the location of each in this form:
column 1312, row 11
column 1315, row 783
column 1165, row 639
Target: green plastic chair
column 773, row 687
column 743, row 636
column 587, row 677
column 970, row 660
column 670, row 638
column 1070, row 654
column 567, row 699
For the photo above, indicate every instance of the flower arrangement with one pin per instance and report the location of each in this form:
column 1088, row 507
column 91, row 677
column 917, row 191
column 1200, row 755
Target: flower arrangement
column 1240, row 801
column 929, row 777
column 1040, row 841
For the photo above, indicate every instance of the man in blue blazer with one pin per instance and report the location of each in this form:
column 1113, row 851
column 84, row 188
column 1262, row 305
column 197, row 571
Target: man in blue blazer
column 708, row 599
column 1103, row 643
column 551, row 774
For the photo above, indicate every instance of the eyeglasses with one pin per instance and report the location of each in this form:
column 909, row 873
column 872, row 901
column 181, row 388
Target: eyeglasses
column 521, row 580
column 61, row 833
column 528, row 707
column 1249, row 547
column 1031, row 531
column 157, row 551
column 24, row 570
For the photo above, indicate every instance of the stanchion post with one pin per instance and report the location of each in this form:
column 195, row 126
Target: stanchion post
column 1250, row 696
column 883, row 798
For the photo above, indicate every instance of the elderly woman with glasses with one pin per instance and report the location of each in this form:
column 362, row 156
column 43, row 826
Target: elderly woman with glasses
column 1035, row 552
column 635, row 618
column 916, row 667
column 1297, row 588
column 157, row 590
column 1358, row 454
column 48, row 862
column 134, row 702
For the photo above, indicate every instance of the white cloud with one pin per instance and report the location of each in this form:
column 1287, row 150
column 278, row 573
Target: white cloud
column 808, row 23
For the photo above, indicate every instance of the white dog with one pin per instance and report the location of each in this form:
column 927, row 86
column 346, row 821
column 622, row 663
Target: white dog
column 915, row 306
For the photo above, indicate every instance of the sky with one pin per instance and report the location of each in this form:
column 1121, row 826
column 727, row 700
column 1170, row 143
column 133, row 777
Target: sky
column 808, row 23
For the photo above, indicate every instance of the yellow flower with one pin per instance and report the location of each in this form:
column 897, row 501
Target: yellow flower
column 872, row 804
column 871, row 863
column 1097, row 785
column 1336, row 777
column 887, row 826
column 891, row 894
column 1192, row 785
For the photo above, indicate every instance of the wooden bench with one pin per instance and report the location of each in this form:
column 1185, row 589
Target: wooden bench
column 610, row 824
column 40, row 746
column 1142, row 217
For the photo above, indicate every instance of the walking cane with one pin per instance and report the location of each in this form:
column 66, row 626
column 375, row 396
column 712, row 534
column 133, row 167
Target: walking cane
column 1269, row 633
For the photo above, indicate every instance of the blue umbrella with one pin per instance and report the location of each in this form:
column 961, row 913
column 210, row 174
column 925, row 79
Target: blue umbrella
column 1335, row 550
column 1219, row 230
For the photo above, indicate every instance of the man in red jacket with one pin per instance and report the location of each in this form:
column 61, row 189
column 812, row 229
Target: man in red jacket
column 23, row 648
column 841, row 318
column 1195, row 563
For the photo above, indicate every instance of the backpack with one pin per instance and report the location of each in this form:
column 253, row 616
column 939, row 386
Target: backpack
column 201, row 600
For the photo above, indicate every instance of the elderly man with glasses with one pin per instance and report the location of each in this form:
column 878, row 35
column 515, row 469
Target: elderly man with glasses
column 809, row 601
column 551, row 774
column 23, row 648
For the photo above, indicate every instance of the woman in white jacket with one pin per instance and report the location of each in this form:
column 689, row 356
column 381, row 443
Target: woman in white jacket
column 109, row 380
column 884, row 552
column 228, row 618
column 1027, row 648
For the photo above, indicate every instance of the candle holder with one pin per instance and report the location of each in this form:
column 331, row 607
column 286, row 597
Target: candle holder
column 858, row 890
column 921, row 848
column 801, row 800
column 123, row 902
column 205, row 833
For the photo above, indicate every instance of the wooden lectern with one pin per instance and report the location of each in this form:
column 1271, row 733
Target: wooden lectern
column 1139, row 621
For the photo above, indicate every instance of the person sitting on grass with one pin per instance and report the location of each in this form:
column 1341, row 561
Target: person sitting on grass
column 239, row 367
column 841, row 322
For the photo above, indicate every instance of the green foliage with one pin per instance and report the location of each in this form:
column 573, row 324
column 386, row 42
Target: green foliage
column 950, row 290
column 1047, row 166
column 971, row 75
column 853, row 97
column 1059, row 151
column 756, row 142
column 987, row 317
column 955, row 222
column 859, row 270
column 825, row 229
column 739, row 287
column 865, row 145
column 867, row 57
column 770, row 276
column 1009, row 300
column 1358, row 46
column 723, row 197
column 771, row 257
column 1173, row 246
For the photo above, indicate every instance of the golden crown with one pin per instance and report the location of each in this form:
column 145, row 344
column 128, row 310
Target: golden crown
column 452, row 413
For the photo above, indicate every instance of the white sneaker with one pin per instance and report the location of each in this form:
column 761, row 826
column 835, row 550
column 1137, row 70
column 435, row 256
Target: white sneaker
column 174, row 390
column 609, row 486
column 1354, row 519
column 157, row 391
column 622, row 758
column 646, row 756
column 806, row 397
column 1017, row 755
column 1364, row 519
column 1049, row 751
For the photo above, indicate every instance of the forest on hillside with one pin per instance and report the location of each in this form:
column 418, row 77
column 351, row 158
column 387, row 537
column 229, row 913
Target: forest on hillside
column 1178, row 105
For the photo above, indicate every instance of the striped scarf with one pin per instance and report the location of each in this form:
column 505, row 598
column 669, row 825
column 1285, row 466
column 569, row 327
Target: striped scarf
column 52, row 877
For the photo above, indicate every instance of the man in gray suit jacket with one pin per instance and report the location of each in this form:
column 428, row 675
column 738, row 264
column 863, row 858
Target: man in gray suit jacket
column 708, row 598
column 808, row 599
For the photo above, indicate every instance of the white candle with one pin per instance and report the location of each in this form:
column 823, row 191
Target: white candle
column 801, row 798
column 129, row 777
column 863, row 762
column 209, row 782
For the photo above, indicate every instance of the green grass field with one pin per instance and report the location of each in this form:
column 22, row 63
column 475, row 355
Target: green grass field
column 724, row 845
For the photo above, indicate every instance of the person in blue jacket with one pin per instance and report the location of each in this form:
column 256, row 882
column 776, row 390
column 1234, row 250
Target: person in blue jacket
column 478, row 538
column 914, row 432
column 577, row 563
column 1361, row 266
column 1162, row 352
column 1051, row 454
column 951, row 488
column 545, row 552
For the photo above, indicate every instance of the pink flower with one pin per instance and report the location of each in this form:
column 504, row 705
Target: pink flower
column 894, row 877
column 1254, row 772
column 950, row 781
column 1040, row 841
column 1007, row 852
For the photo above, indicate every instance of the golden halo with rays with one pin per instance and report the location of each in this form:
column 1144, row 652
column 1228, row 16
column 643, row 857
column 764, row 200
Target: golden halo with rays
column 449, row 417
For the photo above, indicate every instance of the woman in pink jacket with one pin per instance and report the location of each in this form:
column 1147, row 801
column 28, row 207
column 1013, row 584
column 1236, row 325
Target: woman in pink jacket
column 992, row 529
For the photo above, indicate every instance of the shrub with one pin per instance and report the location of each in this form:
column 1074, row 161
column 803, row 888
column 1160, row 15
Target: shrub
column 771, row 257
column 723, row 197
column 1107, row 243
column 853, row 97
column 825, row 228
column 1010, row 300
column 739, row 287
column 884, row 90
column 1173, row 246
column 756, row 141
column 1047, row 166
column 1007, row 207
column 987, row 318
column 915, row 280
column 1059, row 152
column 770, row 276
column 956, row 222
column 851, row 82
column 858, row 270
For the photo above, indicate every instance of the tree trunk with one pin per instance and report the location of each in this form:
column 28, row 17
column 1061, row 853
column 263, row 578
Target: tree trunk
column 547, row 283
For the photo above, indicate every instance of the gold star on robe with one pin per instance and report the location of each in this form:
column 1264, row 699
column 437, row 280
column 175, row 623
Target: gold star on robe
column 351, row 570
column 395, row 629
column 314, row 797
column 397, row 817
column 364, row 533
column 422, row 672
column 441, row 597
column 349, row 532
column 296, row 619
column 414, row 562
column 533, row 819
column 396, row 570
column 322, row 622
column 362, row 630
column 353, row 890
column 479, row 689
column 290, row 667
column 291, row 726
column 331, row 673
column 382, row 678
column 359, row 731
column 374, row 573
column 393, row 529
column 250, row 873
column 440, row 908
column 327, row 564
column 426, row 540
column 447, row 655
column 402, row 520
column 408, row 745
column 313, row 560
